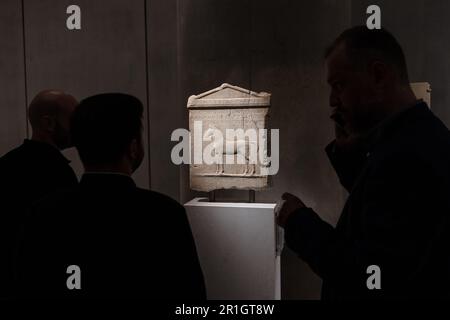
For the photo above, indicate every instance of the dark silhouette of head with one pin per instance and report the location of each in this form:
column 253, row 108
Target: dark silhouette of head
column 368, row 76
column 49, row 115
column 107, row 132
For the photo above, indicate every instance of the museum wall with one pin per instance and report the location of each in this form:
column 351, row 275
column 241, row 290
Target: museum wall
column 166, row 109
column 13, row 128
column 107, row 55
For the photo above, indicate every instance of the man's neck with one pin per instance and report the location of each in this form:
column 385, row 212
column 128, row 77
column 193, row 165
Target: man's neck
column 404, row 99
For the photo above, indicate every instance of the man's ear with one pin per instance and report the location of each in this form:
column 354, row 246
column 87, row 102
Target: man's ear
column 48, row 123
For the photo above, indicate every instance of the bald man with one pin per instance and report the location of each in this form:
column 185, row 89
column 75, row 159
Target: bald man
column 33, row 170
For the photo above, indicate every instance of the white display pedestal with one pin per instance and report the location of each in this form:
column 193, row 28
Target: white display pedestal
column 239, row 247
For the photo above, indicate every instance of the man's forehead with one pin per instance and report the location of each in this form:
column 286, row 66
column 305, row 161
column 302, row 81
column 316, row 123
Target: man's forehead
column 66, row 104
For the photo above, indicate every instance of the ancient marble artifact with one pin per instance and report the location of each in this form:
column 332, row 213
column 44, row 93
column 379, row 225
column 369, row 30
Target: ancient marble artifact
column 228, row 127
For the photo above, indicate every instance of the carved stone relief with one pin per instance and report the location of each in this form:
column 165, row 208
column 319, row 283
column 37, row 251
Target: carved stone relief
column 228, row 123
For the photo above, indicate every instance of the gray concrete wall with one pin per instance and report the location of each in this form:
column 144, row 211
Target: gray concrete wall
column 165, row 106
column 108, row 54
column 12, row 76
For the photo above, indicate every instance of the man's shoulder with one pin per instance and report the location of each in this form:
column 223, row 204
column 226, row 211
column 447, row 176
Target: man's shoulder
column 12, row 156
column 42, row 157
column 421, row 135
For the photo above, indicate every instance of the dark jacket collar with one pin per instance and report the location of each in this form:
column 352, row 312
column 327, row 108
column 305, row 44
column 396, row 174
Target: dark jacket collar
column 44, row 149
column 106, row 180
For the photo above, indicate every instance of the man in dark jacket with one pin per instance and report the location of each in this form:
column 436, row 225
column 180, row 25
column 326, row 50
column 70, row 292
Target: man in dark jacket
column 34, row 169
column 392, row 154
column 108, row 238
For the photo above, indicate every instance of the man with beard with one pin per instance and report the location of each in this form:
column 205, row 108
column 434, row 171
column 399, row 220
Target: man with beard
column 392, row 154
column 108, row 238
column 33, row 170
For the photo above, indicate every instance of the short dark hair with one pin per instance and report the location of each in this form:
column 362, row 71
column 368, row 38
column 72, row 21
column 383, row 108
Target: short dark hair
column 363, row 45
column 104, row 125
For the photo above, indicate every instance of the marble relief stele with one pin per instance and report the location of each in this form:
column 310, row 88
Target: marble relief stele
column 229, row 144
